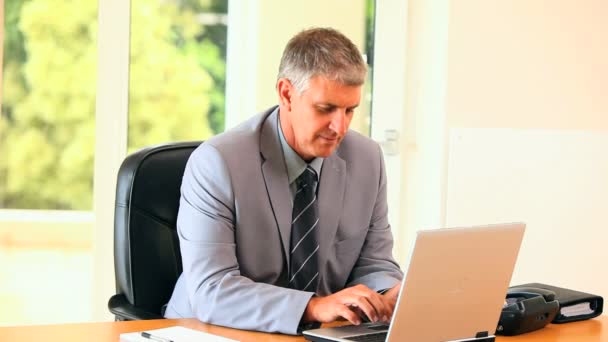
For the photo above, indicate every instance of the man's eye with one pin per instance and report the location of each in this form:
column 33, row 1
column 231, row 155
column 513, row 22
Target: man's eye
column 325, row 109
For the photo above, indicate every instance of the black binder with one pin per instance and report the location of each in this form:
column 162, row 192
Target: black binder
column 574, row 305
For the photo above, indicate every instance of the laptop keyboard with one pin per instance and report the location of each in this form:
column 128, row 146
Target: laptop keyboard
column 375, row 337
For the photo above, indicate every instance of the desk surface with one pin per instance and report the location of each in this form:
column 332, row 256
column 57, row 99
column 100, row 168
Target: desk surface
column 588, row 331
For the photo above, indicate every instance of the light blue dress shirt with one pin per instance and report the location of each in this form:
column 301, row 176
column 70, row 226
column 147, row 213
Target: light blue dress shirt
column 294, row 164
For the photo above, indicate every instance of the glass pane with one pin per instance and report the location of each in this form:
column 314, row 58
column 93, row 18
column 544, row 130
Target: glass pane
column 364, row 126
column 47, row 141
column 177, row 70
column 48, row 107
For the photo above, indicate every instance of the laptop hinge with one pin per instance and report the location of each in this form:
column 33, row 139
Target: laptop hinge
column 479, row 337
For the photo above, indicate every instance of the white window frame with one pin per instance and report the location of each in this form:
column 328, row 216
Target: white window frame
column 410, row 73
column 388, row 98
column 111, row 118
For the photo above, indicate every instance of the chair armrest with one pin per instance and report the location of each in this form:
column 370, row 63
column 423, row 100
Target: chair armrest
column 125, row 311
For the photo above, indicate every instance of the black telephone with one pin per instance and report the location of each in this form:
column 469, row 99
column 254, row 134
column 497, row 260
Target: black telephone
column 527, row 309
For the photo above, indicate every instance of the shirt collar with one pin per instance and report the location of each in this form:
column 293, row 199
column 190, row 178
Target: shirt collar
column 294, row 163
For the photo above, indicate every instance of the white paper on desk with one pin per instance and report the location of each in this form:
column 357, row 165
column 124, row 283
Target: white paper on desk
column 175, row 334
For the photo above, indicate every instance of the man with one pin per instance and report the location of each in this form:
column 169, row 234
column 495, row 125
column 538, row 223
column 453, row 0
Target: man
column 283, row 219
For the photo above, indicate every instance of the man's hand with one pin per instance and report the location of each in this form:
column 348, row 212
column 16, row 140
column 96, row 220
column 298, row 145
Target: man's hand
column 391, row 296
column 346, row 303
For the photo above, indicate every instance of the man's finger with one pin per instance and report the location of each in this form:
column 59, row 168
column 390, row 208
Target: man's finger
column 375, row 299
column 364, row 305
column 380, row 304
column 345, row 312
column 393, row 292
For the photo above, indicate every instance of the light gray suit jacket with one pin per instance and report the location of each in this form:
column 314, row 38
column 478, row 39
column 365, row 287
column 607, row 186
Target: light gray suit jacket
column 234, row 227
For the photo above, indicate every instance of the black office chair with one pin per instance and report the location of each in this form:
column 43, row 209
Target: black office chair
column 147, row 258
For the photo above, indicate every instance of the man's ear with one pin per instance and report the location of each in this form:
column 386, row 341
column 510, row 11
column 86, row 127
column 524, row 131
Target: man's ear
column 285, row 90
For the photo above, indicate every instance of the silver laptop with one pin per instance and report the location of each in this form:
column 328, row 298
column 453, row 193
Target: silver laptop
column 453, row 290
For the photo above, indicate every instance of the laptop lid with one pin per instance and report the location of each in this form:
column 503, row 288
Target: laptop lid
column 456, row 282
column 454, row 287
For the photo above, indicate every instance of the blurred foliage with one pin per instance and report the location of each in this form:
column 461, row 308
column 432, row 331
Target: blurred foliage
column 47, row 126
column 370, row 25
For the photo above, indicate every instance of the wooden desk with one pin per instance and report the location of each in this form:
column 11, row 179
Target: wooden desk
column 587, row 331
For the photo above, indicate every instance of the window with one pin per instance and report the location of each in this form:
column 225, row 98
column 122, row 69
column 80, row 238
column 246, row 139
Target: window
column 46, row 159
column 48, row 105
column 178, row 75
column 177, row 71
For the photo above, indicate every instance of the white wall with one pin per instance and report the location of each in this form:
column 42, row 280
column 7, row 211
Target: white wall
column 530, row 78
column 554, row 181
column 528, row 64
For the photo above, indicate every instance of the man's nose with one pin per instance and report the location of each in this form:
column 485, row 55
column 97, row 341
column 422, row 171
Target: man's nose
column 338, row 122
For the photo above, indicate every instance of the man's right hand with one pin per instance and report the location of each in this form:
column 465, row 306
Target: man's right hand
column 346, row 304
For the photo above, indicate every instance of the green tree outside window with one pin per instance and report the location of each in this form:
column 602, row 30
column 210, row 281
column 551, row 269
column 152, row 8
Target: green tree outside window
column 47, row 124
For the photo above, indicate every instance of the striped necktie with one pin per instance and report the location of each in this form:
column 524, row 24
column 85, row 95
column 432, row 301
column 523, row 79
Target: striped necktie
column 304, row 249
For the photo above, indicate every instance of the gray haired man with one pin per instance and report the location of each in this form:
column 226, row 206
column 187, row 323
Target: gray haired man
column 283, row 219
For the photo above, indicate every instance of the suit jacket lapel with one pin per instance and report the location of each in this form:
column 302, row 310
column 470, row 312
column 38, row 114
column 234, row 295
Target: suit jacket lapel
column 275, row 177
column 331, row 198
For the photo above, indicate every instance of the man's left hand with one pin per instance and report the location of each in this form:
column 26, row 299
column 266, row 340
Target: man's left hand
column 391, row 297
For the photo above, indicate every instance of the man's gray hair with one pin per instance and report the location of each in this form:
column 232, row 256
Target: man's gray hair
column 322, row 52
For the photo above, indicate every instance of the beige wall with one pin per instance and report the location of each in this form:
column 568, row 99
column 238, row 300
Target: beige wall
column 526, row 113
column 528, row 64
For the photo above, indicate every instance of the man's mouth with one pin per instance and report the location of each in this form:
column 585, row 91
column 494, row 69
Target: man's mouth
column 330, row 138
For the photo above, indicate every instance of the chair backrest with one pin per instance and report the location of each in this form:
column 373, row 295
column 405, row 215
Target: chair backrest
column 147, row 258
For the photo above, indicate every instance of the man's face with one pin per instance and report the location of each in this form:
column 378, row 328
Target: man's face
column 315, row 121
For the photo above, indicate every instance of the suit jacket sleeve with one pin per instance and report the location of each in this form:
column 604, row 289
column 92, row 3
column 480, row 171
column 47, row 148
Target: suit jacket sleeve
column 206, row 225
column 376, row 267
